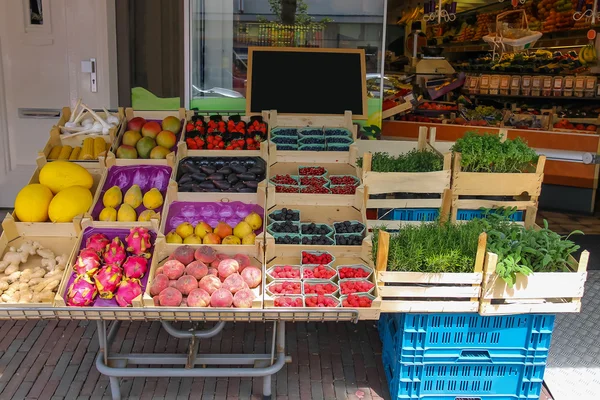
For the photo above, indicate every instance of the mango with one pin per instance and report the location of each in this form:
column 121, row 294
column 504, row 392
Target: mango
column 69, row 202
column 126, row 213
column 133, row 196
column 108, row 214
column 153, row 199
column 159, row 153
column 146, row 215
column 144, row 146
column 171, row 123
column 130, row 138
column 32, row 202
column 127, row 152
column 166, row 139
column 58, row 175
column 113, row 197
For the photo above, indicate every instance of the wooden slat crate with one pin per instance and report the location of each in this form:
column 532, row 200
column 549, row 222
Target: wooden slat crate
column 303, row 121
column 524, row 189
column 58, row 139
column 420, row 292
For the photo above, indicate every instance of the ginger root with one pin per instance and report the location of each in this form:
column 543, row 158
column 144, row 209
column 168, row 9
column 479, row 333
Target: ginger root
column 29, row 247
column 46, row 253
column 13, row 258
column 46, row 296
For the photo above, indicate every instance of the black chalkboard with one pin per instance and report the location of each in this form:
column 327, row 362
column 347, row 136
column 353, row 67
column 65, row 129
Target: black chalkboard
column 306, row 81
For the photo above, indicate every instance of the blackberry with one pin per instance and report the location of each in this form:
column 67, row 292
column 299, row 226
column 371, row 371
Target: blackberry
column 348, row 227
column 317, row 240
column 314, row 229
column 285, row 227
column 287, row 240
column 350, row 240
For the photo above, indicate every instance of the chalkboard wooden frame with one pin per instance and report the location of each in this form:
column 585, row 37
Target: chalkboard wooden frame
column 363, row 68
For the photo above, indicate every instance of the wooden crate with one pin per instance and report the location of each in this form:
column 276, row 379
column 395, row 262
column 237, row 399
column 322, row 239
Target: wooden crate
column 341, row 258
column 111, row 162
column 302, row 121
column 289, row 168
column 258, row 198
column 66, row 228
column 575, row 121
column 524, row 188
column 58, row 139
column 541, row 292
column 389, row 183
column 419, row 292
column 60, row 241
column 182, row 114
column 162, row 251
column 183, row 151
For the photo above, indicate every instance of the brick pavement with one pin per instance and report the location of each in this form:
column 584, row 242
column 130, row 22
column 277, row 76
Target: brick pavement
column 55, row 360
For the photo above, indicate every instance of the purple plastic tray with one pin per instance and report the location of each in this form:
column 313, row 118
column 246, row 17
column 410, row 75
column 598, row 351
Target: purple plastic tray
column 211, row 213
column 177, row 135
column 145, row 176
column 111, row 233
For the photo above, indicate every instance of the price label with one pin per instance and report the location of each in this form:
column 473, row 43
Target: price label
column 515, row 3
column 591, row 34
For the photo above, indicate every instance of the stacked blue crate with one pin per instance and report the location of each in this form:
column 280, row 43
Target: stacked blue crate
column 465, row 356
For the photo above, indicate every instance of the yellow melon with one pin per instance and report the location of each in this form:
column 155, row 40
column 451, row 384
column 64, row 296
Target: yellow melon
column 58, row 175
column 68, row 203
column 32, row 202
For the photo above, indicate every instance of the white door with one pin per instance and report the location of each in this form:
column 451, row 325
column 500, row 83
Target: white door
column 42, row 45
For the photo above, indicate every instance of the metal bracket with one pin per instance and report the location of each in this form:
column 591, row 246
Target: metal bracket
column 89, row 67
column 589, row 158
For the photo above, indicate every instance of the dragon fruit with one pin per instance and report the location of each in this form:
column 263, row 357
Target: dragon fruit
column 138, row 242
column 108, row 280
column 87, row 262
column 115, row 253
column 81, row 292
column 97, row 242
column 135, row 266
column 128, row 290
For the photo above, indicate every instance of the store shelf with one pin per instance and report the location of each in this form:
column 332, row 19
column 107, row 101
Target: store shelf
column 574, row 38
column 511, row 96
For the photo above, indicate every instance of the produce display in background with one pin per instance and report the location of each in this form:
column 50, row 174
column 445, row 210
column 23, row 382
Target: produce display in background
column 110, row 268
column 223, row 174
column 132, row 193
column 540, row 61
column 63, row 192
column 232, row 223
column 314, row 180
column 205, row 278
column 412, row 161
column 487, row 153
column 149, row 139
column 85, row 121
column 36, row 283
column 564, row 124
column 216, row 134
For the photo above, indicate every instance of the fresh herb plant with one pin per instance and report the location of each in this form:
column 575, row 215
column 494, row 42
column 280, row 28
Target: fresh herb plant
column 487, row 153
column 413, row 161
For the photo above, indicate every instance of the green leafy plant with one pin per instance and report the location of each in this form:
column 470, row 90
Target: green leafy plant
column 413, row 161
column 487, row 153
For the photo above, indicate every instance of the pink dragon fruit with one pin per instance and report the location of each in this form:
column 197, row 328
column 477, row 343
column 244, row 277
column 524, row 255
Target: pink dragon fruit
column 115, row 253
column 128, row 290
column 108, row 280
column 138, row 242
column 135, row 266
column 81, row 292
column 87, row 262
column 97, row 242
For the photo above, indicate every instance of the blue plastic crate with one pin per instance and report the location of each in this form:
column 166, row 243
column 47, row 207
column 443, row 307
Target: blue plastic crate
column 411, row 214
column 467, row 215
column 423, row 337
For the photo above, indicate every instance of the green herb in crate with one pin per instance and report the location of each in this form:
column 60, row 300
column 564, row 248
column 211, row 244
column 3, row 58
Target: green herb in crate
column 487, row 153
column 413, row 161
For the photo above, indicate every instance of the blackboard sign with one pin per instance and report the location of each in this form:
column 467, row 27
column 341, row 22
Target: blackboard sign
column 306, row 81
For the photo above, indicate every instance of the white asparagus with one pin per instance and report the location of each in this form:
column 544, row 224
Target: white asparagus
column 74, row 110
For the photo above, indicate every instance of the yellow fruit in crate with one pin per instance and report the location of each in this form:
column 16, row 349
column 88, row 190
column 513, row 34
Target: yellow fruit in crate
column 108, row 214
column 173, row 237
column 184, row 230
column 126, row 213
column 146, row 215
column 254, row 220
column 192, row 239
column 249, row 239
column 31, row 204
column 242, row 229
column 59, row 175
column 113, row 197
column 133, row 196
column 153, row 199
column 69, row 202
column 231, row 240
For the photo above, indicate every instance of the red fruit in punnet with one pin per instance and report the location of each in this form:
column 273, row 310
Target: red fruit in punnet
column 286, row 272
column 356, row 287
column 319, row 288
column 315, row 190
column 311, row 258
column 107, row 280
column 284, row 180
column 313, row 181
column 184, row 254
column 343, row 189
column 343, row 180
column 135, row 266
column 286, row 189
column 285, row 287
column 318, row 272
column 87, row 262
column 357, row 301
column 350, row 272
column 312, row 171
column 97, row 242
column 320, row 301
column 285, row 301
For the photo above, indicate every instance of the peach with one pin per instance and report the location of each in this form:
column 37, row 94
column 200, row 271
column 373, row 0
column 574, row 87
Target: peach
column 213, row 271
column 156, row 300
column 221, row 298
column 186, row 284
column 198, row 298
column 170, row 297
column 184, row 254
column 173, row 283
column 243, row 298
column 197, row 269
column 228, row 267
column 243, row 260
column 234, row 283
column 159, row 270
column 210, row 283
column 151, row 129
column 252, row 276
column 173, row 269
column 159, row 283
column 205, row 254
column 211, row 238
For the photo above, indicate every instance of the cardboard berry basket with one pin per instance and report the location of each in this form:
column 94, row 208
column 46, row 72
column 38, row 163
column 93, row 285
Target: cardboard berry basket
column 57, row 138
column 311, row 121
column 162, row 252
column 157, row 116
column 65, row 228
column 20, row 241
